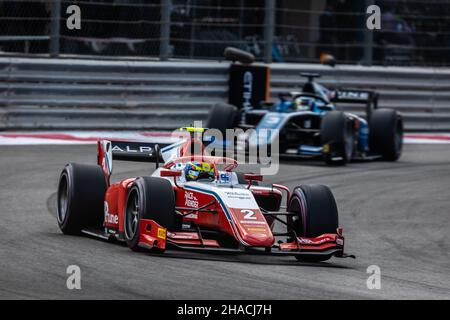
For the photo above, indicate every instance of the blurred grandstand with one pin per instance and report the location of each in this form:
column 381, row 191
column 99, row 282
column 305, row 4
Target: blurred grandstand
column 414, row 33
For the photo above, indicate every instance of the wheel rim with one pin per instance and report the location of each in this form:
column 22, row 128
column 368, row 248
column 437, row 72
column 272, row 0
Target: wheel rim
column 132, row 215
column 63, row 197
column 348, row 140
column 298, row 206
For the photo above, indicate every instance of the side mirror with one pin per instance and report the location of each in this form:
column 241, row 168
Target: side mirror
column 170, row 173
column 253, row 177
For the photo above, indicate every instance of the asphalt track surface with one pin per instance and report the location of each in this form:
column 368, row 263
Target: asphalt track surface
column 395, row 215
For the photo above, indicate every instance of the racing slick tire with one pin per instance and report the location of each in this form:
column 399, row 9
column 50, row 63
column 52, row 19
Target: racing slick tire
column 222, row 116
column 316, row 214
column 80, row 198
column 148, row 198
column 386, row 133
column 338, row 138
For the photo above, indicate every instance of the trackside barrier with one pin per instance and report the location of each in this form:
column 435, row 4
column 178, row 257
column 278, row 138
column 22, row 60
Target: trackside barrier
column 61, row 94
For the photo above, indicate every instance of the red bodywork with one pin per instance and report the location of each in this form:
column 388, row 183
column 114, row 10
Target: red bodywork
column 222, row 210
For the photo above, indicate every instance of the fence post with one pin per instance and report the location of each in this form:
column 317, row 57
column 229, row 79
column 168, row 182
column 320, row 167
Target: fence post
column 164, row 44
column 368, row 37
column 269, row 29
column 55, row 28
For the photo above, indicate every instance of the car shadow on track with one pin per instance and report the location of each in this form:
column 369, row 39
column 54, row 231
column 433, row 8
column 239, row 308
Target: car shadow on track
column 246, row 259
column 211, row 257
column 311, row 162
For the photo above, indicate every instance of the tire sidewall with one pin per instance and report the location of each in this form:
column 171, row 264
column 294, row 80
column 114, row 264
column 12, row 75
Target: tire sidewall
column 336, row 132
column 64, row 175
column 68, row 174
column 298, row 199
column 349, row 134
column 398, row 134
column 133, row 241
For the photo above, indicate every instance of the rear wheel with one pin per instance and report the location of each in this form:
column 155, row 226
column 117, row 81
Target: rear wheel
column 81, row 192
column 386, row 133
column 316, row 213
column 148, row 198
column 222, row 116
column 337, row 134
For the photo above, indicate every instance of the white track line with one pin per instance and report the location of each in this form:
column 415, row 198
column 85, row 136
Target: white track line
column 83, row 137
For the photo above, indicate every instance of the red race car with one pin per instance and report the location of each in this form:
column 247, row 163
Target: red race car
column 195, row 202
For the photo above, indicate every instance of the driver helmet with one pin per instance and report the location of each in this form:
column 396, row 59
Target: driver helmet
column 194, row 171
column 304, row 103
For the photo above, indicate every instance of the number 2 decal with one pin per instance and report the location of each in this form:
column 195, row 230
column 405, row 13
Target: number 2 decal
column 248, row 214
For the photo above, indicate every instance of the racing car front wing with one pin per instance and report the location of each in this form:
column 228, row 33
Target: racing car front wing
column 154, row 236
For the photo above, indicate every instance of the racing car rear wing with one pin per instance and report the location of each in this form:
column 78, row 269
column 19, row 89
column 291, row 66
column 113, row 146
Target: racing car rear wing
column 369, row 98
column 107, row 151
column 137, row 151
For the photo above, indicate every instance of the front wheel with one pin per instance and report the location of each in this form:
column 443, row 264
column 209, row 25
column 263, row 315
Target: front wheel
column 315, row 214
column 386, row 133
column 338, row 138
column 148, row 198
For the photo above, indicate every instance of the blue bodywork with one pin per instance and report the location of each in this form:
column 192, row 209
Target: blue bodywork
column 305, row 105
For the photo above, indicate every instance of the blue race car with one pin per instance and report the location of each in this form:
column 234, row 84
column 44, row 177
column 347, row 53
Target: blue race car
column 309, row 124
